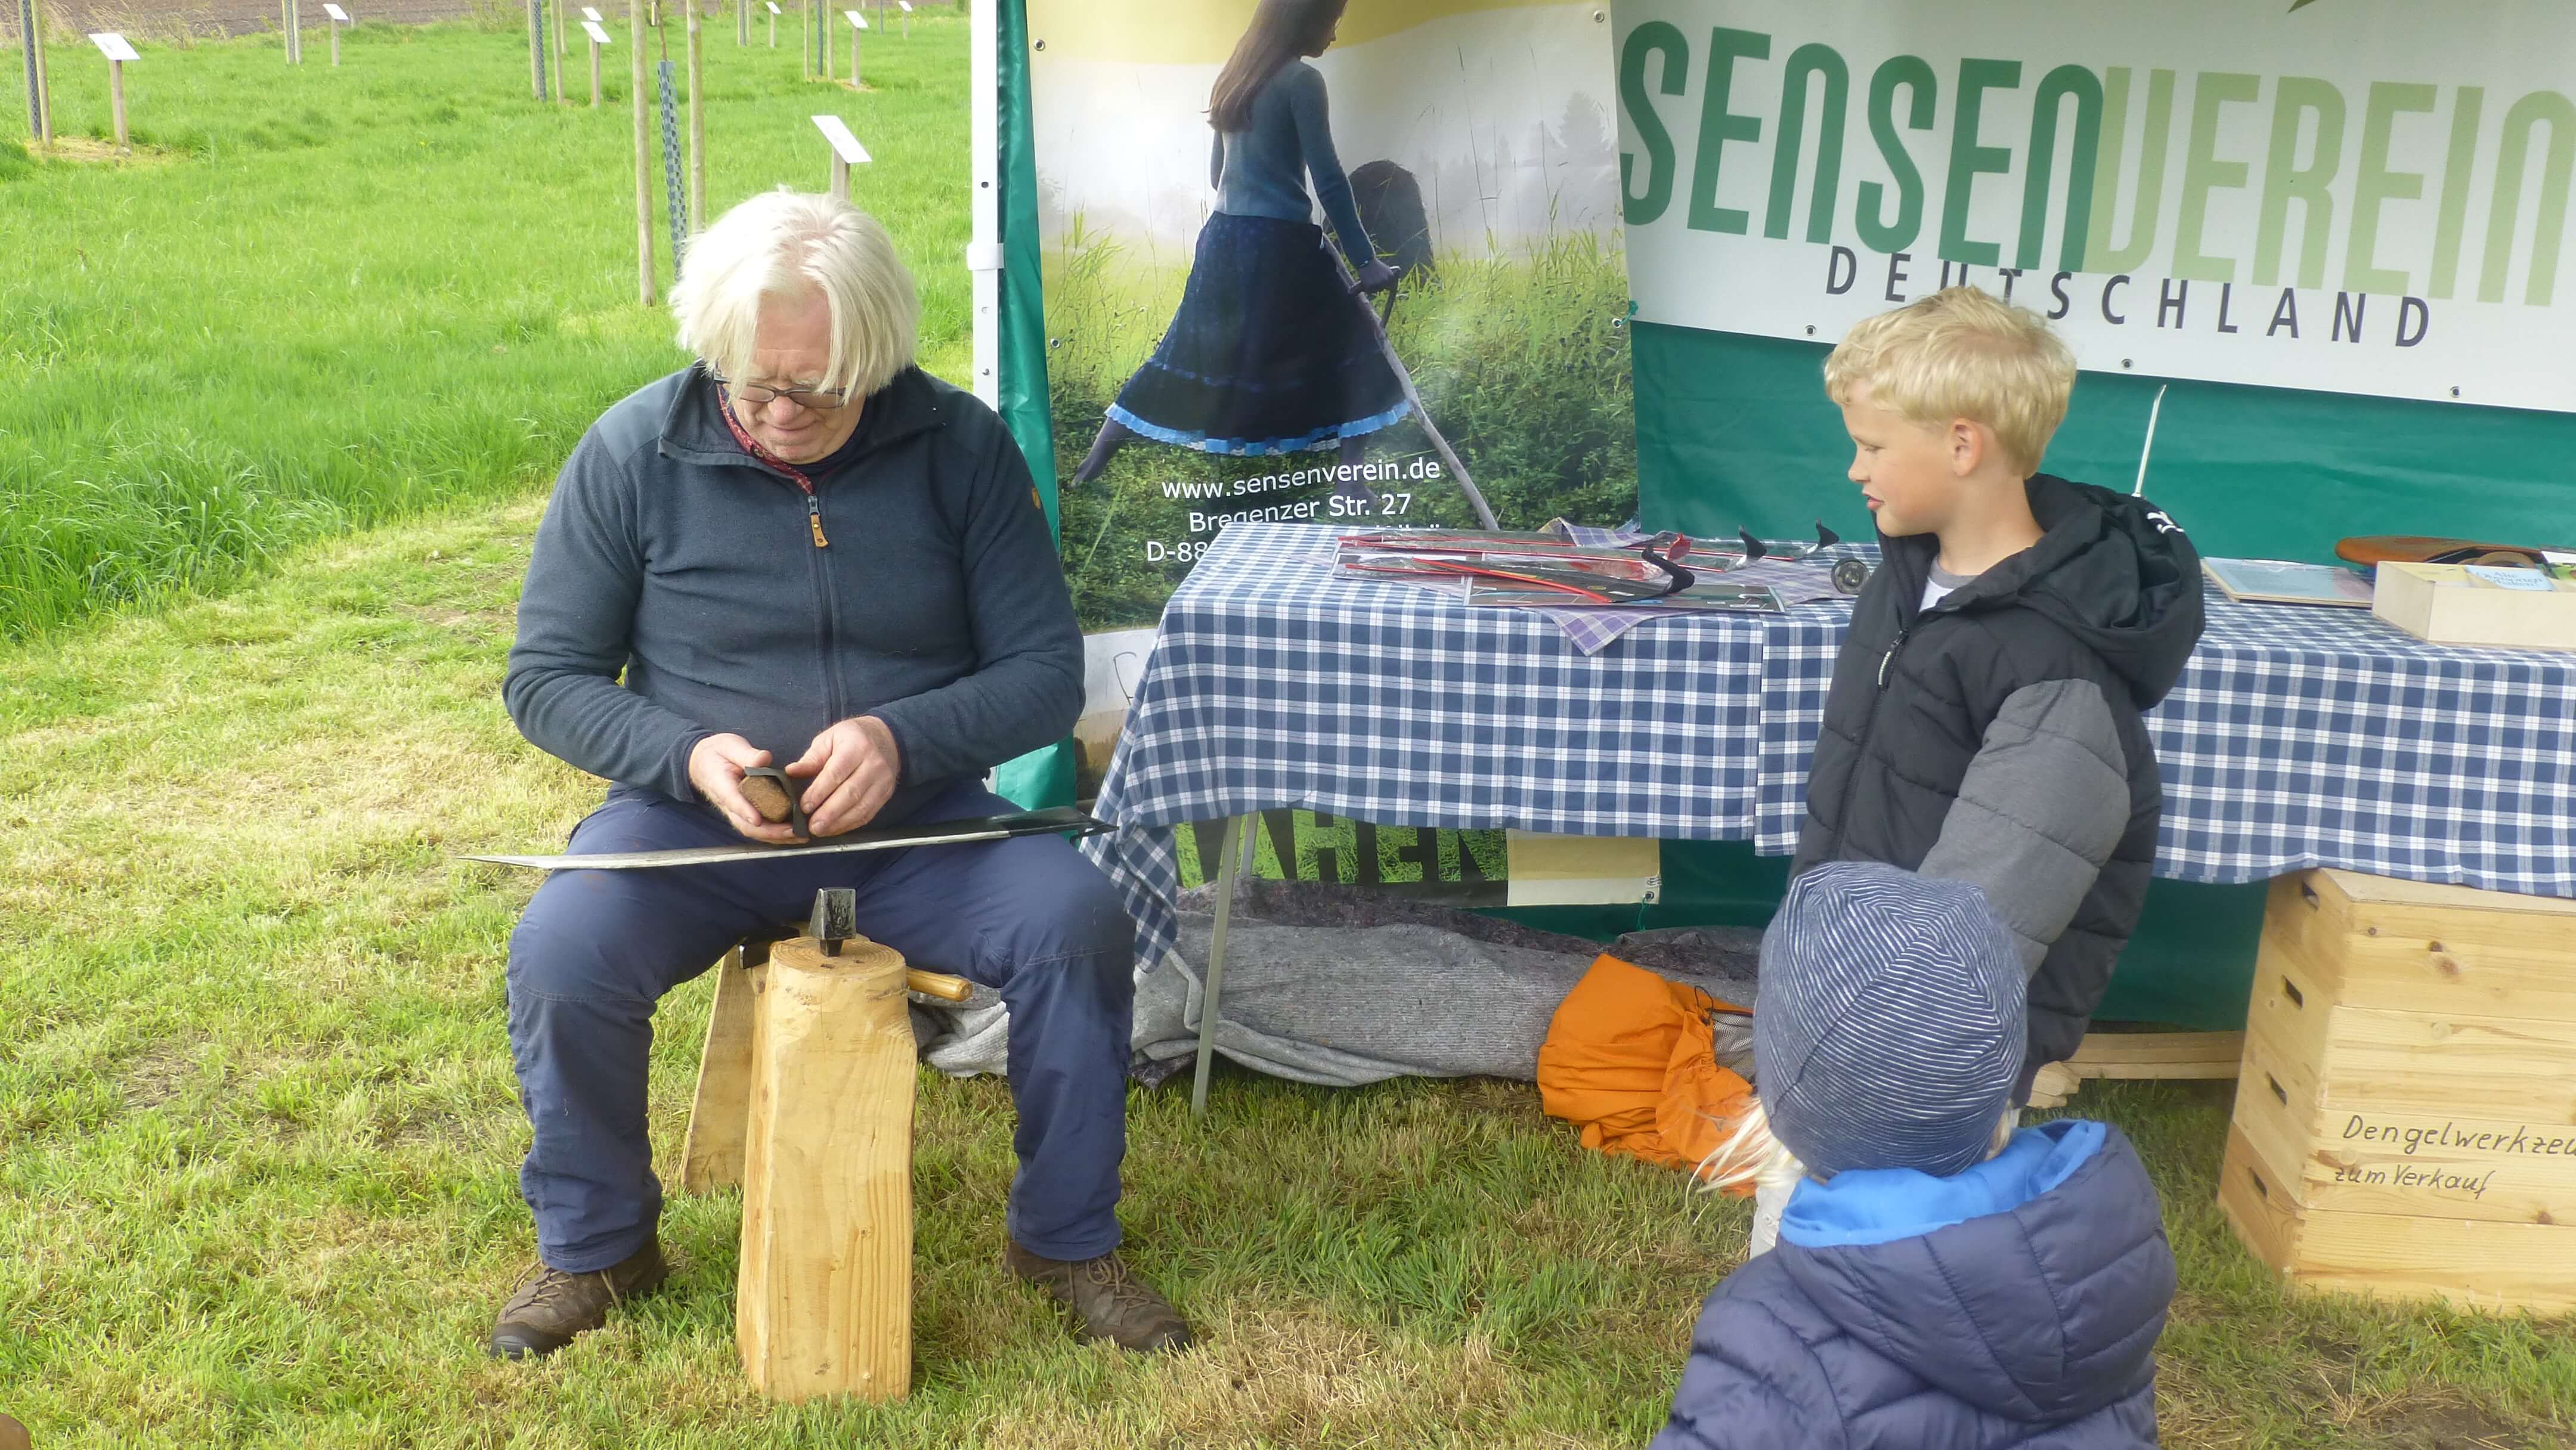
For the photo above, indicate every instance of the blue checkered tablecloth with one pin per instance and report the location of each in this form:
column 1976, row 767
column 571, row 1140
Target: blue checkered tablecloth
column 2297, row 737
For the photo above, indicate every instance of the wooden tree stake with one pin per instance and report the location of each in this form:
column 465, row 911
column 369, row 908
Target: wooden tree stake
column 697, row 126
column 825, row 1295
column 44, row 79
column 643, row 177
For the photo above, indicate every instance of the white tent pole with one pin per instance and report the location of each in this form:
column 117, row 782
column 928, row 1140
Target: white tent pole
column 2149, row 446
column 984, row 252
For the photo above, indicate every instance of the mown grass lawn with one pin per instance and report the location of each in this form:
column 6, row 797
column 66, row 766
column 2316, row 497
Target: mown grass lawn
column 261, row 1136
column 258, row 1130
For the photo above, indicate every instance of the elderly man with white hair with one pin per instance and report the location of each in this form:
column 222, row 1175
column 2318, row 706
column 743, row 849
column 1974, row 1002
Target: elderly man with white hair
column 802, row 548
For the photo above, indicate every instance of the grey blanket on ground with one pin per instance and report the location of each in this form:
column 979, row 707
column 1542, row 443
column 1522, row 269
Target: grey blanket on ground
column 1323, row 989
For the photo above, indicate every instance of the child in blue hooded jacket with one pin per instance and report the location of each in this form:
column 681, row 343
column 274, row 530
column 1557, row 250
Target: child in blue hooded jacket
column 1930, row 1288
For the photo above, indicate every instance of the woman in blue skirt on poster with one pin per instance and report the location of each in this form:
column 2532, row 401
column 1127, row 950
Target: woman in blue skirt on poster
column 1268, row 353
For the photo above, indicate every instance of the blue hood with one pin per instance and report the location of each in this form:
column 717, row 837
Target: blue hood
column 2033, row 1285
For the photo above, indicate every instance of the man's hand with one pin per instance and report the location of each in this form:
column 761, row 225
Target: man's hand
column 716, row 767
column 854, row 766
column 1377, row 276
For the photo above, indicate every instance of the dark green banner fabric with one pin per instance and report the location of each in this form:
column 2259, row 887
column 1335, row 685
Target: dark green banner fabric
column 1041, row 778
column 1024, row 359
column 1735, row 431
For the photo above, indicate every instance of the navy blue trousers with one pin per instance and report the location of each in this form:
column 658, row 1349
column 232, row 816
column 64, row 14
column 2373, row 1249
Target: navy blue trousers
column 597, row 949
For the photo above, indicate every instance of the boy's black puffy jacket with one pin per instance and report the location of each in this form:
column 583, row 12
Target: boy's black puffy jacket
column 1995, row 738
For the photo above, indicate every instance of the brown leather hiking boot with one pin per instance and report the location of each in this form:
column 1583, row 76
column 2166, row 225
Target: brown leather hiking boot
column 550, row 1306
column 1108, row 1298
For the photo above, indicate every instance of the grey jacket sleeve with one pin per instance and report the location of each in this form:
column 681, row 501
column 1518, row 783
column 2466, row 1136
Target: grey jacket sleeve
column 1313, row 110
column 1027, row 686
column 2043, row 805
column 576, row 621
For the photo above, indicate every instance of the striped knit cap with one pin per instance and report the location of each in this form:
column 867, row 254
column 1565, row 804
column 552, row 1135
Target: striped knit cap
column 1887, row 1030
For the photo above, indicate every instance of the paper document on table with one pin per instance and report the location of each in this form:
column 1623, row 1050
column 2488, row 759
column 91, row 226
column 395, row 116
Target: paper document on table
column 2280, row 581
column 2529, row 580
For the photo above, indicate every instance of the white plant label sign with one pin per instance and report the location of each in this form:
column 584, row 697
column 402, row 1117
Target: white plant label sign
column 844, row 145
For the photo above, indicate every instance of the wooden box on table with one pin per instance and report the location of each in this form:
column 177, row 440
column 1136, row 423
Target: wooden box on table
column 2405, row 1119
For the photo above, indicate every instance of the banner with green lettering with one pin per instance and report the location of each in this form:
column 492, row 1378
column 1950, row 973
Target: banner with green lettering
column 2370, row 196
column 2338, row 229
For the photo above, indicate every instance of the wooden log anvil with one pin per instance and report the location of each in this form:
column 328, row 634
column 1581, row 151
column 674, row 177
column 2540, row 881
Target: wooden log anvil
column 805, row 1097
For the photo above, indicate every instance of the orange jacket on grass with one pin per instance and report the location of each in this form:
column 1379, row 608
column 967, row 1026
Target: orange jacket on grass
column 1630, row 1058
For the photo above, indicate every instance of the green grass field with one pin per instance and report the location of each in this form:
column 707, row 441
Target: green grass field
column 258, row 1128
column 317, row 299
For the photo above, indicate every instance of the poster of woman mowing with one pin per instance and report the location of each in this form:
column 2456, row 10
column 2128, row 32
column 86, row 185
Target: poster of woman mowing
column 1225, row 186
column 1266, row 356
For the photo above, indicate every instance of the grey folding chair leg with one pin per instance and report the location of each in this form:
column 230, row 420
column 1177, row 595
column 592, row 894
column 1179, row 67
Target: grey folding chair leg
column 1226, row 856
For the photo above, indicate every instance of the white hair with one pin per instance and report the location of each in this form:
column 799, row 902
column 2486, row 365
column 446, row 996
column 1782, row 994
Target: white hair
column 1750, row 1155
column 782, row 243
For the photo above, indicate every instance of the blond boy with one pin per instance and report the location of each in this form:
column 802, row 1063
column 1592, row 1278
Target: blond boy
column 1983, row 724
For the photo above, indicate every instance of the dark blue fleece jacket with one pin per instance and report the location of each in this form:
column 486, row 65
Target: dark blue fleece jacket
column 673, row 557
column 2014, row 1305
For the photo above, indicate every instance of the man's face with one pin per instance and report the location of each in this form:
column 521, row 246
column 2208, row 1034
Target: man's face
column 791, row 348
column 1906, row 470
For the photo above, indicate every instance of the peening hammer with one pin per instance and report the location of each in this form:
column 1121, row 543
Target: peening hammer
column 835, row 920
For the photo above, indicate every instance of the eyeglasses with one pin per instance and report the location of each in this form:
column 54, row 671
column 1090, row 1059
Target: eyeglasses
column 819, row 400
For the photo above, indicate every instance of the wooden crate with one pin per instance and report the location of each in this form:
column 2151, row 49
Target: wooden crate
column 2448, row 604
column 2405, row 1118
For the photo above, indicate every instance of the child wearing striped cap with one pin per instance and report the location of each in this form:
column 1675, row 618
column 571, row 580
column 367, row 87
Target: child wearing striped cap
column 1938, row 1279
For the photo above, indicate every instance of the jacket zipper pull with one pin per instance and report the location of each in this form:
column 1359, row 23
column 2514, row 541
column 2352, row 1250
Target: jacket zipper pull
column 1890, row 657
column 814, row 521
